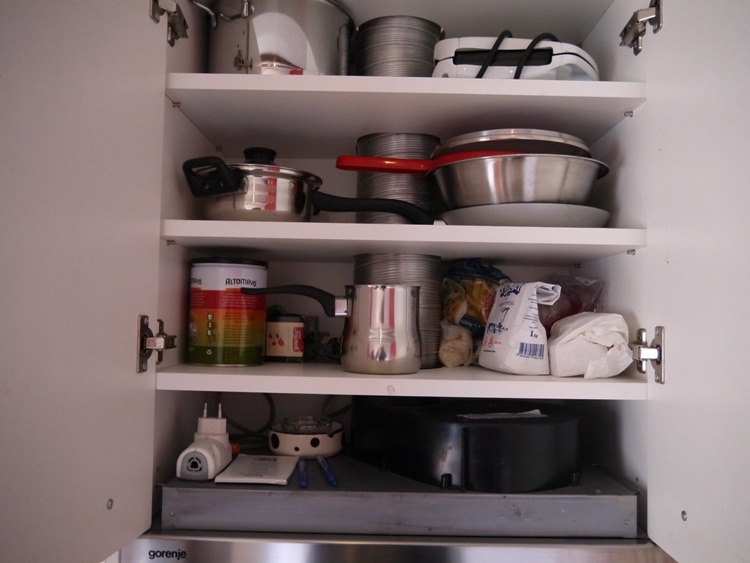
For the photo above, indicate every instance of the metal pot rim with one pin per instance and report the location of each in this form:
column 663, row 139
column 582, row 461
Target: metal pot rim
column 603, row 168
column 551, row 142
column 275, row 171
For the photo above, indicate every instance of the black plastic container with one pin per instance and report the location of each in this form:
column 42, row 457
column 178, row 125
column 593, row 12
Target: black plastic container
column 473, row 444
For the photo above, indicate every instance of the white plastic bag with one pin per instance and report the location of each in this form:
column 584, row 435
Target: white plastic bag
column 590, row 344
column 514, row 340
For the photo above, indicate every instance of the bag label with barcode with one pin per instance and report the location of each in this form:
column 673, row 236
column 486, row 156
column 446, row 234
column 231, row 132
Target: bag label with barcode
column 514, row 340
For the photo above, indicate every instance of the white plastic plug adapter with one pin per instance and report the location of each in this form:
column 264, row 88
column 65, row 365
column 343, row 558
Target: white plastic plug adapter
column 210, row 451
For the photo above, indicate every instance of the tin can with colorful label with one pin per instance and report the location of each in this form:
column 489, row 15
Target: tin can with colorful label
column 285, row 338
column 227, row 327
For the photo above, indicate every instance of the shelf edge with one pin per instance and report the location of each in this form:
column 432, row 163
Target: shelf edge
column 440, row 382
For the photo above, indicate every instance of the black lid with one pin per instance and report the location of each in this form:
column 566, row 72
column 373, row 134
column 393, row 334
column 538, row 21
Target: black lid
column 260, row 155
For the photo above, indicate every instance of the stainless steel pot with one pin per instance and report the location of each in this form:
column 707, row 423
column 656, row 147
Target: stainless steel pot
column 486, row 178
column 500, row 166
column 520, row 178
column 278, row 36
column 260, row 190
column 381, row 329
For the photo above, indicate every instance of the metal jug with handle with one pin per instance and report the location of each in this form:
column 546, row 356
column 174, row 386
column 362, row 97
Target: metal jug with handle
column 381, row 329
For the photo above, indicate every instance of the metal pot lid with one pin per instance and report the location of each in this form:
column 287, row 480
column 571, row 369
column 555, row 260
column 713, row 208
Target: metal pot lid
column 516, row 140
column 259, row 161
column 307, row 425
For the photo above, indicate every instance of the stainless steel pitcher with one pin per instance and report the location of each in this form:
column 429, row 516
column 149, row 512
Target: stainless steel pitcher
column 381, row 329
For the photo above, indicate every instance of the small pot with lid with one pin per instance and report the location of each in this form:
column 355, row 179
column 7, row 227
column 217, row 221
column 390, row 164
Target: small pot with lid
column 260, row 190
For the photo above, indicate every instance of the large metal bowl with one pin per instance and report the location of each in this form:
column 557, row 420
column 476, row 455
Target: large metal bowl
column 518, row 178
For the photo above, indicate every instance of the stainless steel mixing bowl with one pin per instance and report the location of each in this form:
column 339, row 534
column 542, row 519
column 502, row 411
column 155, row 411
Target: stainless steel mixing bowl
column 517, row 178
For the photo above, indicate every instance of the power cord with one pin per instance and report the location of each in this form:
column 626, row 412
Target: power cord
column 493, row 52
column 528, row 52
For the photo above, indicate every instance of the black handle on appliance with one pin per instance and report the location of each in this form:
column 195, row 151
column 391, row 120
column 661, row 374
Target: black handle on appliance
column 328, row 202
column 326, row 300
column 210, row 176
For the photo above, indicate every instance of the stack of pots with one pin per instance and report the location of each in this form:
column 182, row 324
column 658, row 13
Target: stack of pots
column 396, row 46
column 497, row 167
column 417, row 189
column 421, row 270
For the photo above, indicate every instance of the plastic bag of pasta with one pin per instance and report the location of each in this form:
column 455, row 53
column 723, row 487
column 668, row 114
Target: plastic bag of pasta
column 468, row 290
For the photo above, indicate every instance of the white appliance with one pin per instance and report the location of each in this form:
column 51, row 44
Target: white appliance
column 463, row 57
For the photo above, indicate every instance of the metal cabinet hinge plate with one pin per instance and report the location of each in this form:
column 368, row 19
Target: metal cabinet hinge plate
column 643, row 352
column 633, row 32
column 177, row 26
column 148, row 342
column 227, row 9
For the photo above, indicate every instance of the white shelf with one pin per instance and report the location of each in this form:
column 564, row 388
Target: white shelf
column 338, row 242
column 323, row 116
column 330, row 379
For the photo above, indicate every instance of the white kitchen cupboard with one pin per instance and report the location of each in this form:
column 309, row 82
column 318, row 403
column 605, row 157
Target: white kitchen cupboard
column 86, row 128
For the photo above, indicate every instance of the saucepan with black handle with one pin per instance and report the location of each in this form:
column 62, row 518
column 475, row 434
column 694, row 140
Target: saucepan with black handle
column 260, row 190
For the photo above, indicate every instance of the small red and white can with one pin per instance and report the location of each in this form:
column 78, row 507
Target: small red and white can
column 285, row 338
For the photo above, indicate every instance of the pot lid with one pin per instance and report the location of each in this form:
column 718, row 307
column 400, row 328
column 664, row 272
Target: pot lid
column 307, row 425
column 260, row 161
column 515, row 140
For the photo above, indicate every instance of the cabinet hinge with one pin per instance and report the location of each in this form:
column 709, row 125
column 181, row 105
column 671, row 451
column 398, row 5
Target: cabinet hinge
column 643, row 352
column 148, row 342
column 227, row 9
column 633, row 32
column 177, row 26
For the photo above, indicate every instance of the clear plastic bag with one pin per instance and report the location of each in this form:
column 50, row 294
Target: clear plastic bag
column 456, row 345
column 468, row 290
column 578, row 294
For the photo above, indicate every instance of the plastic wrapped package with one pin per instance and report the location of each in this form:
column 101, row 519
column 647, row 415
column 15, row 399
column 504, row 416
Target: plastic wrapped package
column 515, row 341
column 594, row 345
column 456, row 345
column 578, row 294
column 468, row 291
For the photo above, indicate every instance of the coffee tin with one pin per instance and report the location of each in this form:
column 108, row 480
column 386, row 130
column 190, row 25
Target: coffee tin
column 227, row 327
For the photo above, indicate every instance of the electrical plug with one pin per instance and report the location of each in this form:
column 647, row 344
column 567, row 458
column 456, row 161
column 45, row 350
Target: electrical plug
column 210, row 451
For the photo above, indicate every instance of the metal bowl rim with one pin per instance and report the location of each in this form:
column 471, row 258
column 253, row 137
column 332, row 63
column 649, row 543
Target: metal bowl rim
column 603, row 168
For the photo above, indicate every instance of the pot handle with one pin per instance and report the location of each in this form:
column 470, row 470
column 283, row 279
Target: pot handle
column 328, row 202
column 326, row 300
column 410, row 165
column 210, row 176
column 383, row 164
